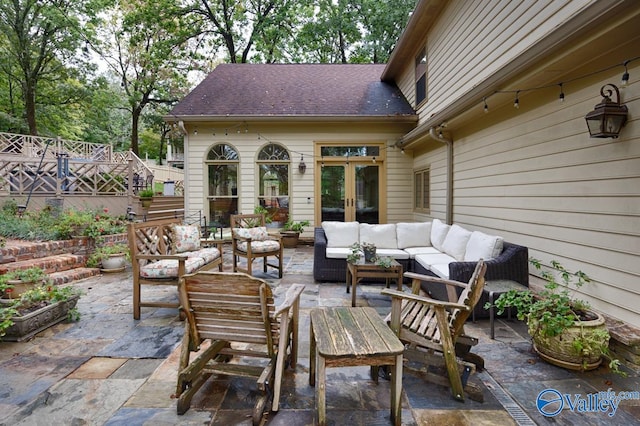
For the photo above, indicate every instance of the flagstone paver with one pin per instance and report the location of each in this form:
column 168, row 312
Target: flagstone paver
column 108, row 369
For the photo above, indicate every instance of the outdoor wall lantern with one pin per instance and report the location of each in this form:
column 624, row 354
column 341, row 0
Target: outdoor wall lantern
column 608, row 117
column 302, row 167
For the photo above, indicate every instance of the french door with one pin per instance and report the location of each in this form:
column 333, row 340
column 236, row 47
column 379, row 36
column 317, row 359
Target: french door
column 350, row 189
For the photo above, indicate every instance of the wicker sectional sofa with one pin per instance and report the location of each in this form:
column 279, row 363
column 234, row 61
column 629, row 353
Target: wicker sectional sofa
column 430, row 248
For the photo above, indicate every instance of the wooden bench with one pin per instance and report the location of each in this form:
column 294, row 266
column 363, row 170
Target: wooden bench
column 163, row 251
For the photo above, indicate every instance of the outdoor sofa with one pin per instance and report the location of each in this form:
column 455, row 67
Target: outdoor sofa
column 430, row 248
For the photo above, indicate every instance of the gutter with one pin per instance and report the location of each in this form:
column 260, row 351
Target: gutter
column 437, row 136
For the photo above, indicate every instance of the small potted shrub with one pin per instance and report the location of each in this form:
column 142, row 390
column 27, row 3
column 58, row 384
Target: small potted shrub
column 110, row 258
column 564, row 330
column 291, row 232
column 14, row 283
column 146, row 197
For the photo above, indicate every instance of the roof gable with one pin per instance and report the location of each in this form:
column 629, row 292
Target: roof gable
column 294, row 90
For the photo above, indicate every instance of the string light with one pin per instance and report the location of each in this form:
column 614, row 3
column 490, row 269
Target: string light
column 374, row 159
column 561, row 96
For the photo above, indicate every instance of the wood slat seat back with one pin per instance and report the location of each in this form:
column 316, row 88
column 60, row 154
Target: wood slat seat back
column 150, row 238
column 229, row 307
column 236, row 314
column 432, row 329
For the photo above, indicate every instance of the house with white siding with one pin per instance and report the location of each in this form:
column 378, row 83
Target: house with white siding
column 477, row 119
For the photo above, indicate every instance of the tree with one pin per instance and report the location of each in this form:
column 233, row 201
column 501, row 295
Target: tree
column 147, row 45
column 239, row 25
column 41, row 40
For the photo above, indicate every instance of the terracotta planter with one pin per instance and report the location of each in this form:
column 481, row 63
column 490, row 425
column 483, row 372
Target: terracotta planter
column 290, row 239
column 27, row 326
column 146, row 202
column 559, row 350
column 19, row 287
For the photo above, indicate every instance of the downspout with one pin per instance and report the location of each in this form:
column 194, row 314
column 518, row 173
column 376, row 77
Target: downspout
column 449, row 186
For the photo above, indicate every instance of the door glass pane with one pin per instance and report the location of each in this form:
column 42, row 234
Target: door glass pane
column 274, row 191
column 332, row 190
column 367, row 200
column 223, row 192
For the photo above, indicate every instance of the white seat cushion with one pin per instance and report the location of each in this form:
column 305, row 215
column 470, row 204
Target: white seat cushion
column 441, row 270
column 427, row 260
column 413, row 234
column 341, row 234
column 439, row 231
column 383, row 236
column 455, row 244
column 267, row 246
column 337, row 252
column 392, row 253
column 414, row 251
column 207, row 254
column 483, row 246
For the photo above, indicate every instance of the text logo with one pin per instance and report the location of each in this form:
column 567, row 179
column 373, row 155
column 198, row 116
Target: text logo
column 549, row 402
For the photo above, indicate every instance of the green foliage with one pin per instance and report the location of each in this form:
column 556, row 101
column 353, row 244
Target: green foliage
column 103, row 252
column 47, row 224
column 146, row 193
column 298, row 227
column 552, row 310
column 40, row 296
column 33, row 225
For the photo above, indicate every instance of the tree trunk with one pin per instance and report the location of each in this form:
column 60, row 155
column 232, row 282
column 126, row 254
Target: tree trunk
column 30, row 108
column 135, row 118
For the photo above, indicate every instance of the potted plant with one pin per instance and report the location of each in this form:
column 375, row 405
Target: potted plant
column 369, row 250
column 110, row 258
column 36, row 310
column 146, row 197
column 564, row 330
column 14, row 283
column 291, row 232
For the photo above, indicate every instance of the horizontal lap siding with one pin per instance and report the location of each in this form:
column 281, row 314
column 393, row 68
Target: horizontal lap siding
column 472, row 40
column 299, row 140
column 539, row 180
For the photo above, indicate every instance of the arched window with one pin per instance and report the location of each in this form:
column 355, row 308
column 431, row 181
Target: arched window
column 222, row 167
column 273, row 182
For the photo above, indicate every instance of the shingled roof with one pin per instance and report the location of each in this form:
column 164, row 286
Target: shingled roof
column 292, row 90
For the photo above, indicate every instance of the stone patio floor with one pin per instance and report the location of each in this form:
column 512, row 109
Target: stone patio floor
column 108, row 369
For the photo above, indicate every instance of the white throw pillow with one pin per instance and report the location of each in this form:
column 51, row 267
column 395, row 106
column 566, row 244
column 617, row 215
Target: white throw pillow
column 455, row 244
column 383, row 236
column 341, row 234
column 413, row 234
column 439, row 231
column 483, row 246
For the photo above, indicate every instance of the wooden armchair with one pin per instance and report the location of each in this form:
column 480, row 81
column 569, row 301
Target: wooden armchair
column 433, row 331
column 251, row 241
column 227, row 308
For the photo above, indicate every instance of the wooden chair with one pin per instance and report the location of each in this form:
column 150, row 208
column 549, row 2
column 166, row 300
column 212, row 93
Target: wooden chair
column 156, row 260
column 433, row 331
column 236, row 314
column 250, row 240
